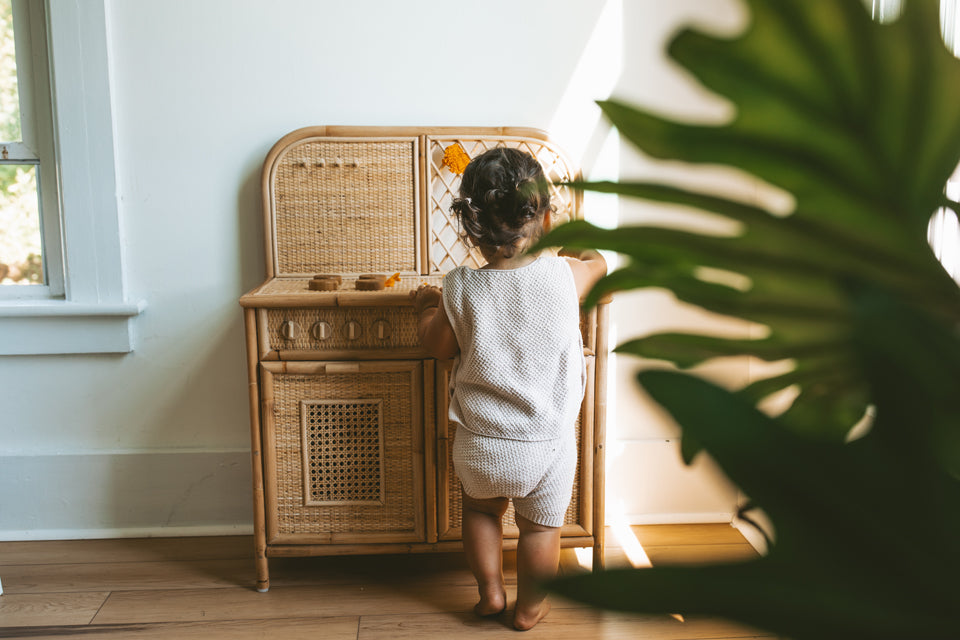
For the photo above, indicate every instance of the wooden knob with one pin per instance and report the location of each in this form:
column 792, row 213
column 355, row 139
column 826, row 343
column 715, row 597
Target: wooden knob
column 382, row 330
column 289, row 330
column 323, row 284
column 321, row 330
column 371, row 282
column 353, row 330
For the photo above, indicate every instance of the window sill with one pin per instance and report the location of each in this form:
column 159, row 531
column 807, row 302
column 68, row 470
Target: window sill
column 35, row 327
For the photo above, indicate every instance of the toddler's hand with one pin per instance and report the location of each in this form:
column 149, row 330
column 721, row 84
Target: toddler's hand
column 426, row 296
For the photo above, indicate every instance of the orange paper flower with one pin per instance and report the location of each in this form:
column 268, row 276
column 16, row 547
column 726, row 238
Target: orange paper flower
column 455, row 158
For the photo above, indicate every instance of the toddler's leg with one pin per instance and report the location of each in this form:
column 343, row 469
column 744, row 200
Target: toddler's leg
column 483, row 543
column 538, row 556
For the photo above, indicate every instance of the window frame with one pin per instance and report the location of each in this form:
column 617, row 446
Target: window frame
column 92, row 315
column 36, row 144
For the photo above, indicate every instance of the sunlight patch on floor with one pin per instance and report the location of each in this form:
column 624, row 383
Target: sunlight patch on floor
column 584, row 556
column 627, row 540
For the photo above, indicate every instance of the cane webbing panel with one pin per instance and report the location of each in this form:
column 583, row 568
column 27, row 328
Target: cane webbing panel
column 342, row 451
column 447, row 248
column 345, row 206
column 395, row 472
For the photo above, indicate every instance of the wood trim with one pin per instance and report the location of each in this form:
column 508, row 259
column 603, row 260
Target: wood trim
column 600, row 432
column 419, row 499
column 590, row 340
column 423, row 208
column 347, row 354
column 360, row 539
column 363, row 131
column 263, row 339
column 267, row 212
column 444, row 442
column 314, row 367
column 304, row 550
column 587, row 433
column 344, row 298
column 430, row 448
column 256, row 453
column 269, row 452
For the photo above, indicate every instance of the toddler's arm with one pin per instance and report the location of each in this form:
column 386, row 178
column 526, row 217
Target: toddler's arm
column 434, row 330
column 587, row 265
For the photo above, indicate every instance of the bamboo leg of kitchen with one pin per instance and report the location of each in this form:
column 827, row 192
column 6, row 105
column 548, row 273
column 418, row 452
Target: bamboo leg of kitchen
column 599, row 438
column 259, row 531
column 430, row 447
column 423, row 218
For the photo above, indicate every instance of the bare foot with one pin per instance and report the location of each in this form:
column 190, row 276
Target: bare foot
column 491, row 604
column 524, row 620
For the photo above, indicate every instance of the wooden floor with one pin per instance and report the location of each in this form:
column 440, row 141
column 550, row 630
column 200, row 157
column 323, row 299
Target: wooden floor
column 203, row 588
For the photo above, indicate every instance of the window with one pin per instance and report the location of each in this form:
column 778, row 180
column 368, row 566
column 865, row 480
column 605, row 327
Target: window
column 26, row 158
column 77, row 303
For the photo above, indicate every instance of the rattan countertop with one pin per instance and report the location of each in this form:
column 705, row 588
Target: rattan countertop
column 294, row 292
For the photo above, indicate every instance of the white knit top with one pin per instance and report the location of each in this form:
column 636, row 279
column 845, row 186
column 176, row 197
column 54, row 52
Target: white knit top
column 521, row 372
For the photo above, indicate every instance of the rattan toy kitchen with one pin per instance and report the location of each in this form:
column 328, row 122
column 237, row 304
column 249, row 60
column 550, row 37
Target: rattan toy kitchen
column 349, row 434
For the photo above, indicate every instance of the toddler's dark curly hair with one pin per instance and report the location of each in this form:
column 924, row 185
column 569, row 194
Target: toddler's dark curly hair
column 501, row 192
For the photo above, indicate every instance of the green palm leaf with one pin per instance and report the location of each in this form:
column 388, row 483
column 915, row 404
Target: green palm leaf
column 865, row 532
column 860, row 123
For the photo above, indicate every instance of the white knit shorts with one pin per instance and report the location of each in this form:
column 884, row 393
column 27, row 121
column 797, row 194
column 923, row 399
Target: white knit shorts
column 537, row 476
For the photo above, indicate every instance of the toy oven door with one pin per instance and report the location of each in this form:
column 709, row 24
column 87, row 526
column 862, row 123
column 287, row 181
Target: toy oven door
column 343, row 452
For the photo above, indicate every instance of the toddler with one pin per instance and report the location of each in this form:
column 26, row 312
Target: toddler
column 518, row 378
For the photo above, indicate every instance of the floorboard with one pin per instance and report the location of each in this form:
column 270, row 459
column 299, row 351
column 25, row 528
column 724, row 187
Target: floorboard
column 560, row 624
column 50, row 608
column 203, row 588
column 344, row 628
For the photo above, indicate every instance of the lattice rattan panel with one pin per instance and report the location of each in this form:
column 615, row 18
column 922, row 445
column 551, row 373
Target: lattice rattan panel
column 397, row 511
column 342, row 451
column 345, row 206
column 447, row 249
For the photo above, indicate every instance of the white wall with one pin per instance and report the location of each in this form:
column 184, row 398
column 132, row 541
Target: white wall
column 156, row 442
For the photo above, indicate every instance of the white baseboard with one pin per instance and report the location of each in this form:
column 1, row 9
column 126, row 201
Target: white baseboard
column 142, row 532
column 679, row 518
column 753, row 535
column 125, row 494
column 182, row 493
